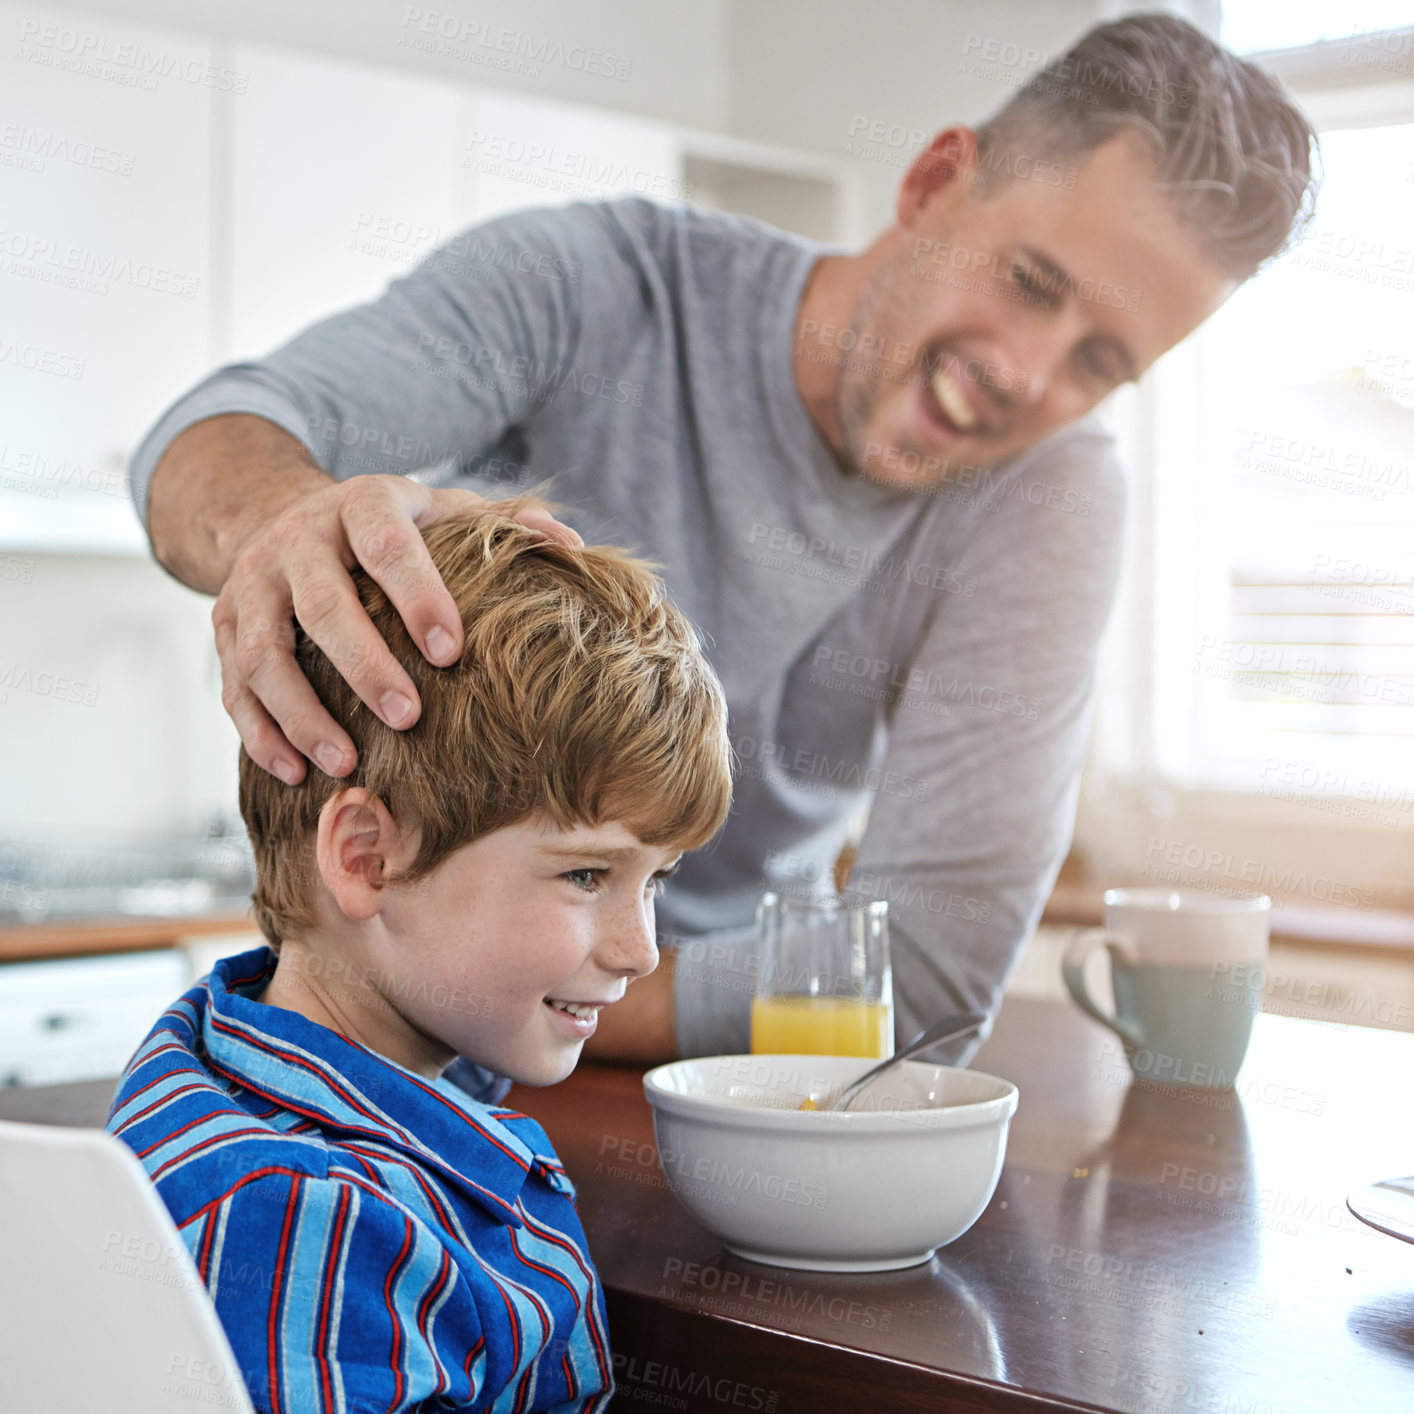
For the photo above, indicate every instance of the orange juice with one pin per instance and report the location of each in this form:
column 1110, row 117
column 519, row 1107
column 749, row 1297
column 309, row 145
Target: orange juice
column 821, row 1026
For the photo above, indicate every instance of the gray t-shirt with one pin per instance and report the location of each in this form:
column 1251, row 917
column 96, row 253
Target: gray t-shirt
column 929, row 657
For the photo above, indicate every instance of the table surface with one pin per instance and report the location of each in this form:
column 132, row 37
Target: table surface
column 1147, row 1250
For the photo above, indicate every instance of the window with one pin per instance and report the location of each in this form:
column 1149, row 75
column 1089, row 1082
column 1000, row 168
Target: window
column 1258, row 682
column 1299, row 642
column 1249, row 25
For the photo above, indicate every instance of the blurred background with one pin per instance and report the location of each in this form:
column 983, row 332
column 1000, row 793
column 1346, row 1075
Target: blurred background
column 188, row 182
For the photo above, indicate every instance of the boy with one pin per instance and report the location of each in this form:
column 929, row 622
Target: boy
column 372, row 1237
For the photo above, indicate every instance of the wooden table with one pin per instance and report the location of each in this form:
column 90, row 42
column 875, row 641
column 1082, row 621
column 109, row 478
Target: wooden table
column 1147, row 1250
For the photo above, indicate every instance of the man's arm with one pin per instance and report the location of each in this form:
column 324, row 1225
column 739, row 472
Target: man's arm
column 967, row 867
column 218, row 483
column 263, row 483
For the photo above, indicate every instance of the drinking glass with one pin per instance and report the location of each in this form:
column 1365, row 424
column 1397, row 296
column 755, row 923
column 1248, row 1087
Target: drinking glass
column 825, row 986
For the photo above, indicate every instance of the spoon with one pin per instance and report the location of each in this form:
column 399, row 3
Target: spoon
column 948, row 1029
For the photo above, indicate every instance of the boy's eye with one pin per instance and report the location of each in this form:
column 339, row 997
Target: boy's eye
column 586, row 879
column 659, row 880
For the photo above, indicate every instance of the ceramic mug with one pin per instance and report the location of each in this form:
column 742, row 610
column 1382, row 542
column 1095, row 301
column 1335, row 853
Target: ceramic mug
column 1186, row 968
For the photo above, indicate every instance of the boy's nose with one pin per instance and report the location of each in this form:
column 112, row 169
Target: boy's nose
column 630, row 943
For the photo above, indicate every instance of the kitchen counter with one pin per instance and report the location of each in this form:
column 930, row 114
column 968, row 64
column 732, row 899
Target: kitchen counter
column 40, row 942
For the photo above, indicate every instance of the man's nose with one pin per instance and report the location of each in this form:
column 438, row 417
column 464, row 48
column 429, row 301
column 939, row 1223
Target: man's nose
column 629, row 944
column 1036, row 357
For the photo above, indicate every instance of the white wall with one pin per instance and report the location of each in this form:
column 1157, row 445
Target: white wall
column 110, row 719
column 671, row 53
column 818, row 74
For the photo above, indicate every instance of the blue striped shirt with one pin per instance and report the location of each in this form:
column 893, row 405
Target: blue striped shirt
column 372, row 1240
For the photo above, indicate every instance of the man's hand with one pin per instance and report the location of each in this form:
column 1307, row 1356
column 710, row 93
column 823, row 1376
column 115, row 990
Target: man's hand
column 297, row 567
column 290, row 540
column 640, row 1028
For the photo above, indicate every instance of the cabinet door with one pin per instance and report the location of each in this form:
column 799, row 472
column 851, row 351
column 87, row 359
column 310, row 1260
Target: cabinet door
column 105, row 141
column 516, row 152
column 82, row 1018
column 343, row 177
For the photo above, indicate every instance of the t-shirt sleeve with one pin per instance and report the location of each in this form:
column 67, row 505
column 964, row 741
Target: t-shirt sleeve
column 993, row 737
column 967, row 863
column 451, row 356
column 333, row 1298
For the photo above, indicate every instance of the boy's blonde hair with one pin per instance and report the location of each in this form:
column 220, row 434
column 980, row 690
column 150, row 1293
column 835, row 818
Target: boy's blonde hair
column 582, row 692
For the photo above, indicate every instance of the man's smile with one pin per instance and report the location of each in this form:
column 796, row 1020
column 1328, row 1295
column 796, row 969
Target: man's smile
column 952, row 402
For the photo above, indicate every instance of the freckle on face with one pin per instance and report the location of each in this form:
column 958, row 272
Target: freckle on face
column 499, row 922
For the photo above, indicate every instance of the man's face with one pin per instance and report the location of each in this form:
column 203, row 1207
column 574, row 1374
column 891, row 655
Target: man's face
column 482, row 954
column 993, row 319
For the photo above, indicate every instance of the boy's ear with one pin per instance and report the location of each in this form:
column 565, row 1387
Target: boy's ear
column 358, row 843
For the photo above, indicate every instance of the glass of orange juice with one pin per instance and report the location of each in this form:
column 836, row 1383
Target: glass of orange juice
column 825, row 987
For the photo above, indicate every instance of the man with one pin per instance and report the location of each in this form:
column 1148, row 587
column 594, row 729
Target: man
column 852, row 468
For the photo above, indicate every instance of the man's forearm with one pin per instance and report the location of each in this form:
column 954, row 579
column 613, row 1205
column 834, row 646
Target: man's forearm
column 218, row 482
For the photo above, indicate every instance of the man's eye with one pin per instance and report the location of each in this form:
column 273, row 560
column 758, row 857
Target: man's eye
column 1031, row 285
column 589, row 875
column 1097, row 365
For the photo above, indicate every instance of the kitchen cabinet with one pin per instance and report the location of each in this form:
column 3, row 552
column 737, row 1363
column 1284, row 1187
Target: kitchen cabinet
column 796, row 191
column 172, row 202
column 344, row 176
column 515, row 152
column 105, row 262
column 341, row 177
column 82, row 1018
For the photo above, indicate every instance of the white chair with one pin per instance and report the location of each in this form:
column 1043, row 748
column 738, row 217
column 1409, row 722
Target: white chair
column 100, row 1305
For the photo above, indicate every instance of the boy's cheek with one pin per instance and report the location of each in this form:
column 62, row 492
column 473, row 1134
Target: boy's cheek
column 537, row 1065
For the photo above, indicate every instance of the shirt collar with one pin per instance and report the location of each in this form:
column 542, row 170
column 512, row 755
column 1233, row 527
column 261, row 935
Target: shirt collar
column 346, row 1088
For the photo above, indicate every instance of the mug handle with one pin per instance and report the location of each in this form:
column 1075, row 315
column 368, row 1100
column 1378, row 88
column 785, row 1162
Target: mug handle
column 1077, row 951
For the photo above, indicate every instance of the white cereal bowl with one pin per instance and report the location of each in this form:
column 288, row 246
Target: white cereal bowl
column 906, row 1170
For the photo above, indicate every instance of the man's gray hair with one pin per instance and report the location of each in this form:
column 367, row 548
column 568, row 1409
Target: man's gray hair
column 1233, row 153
